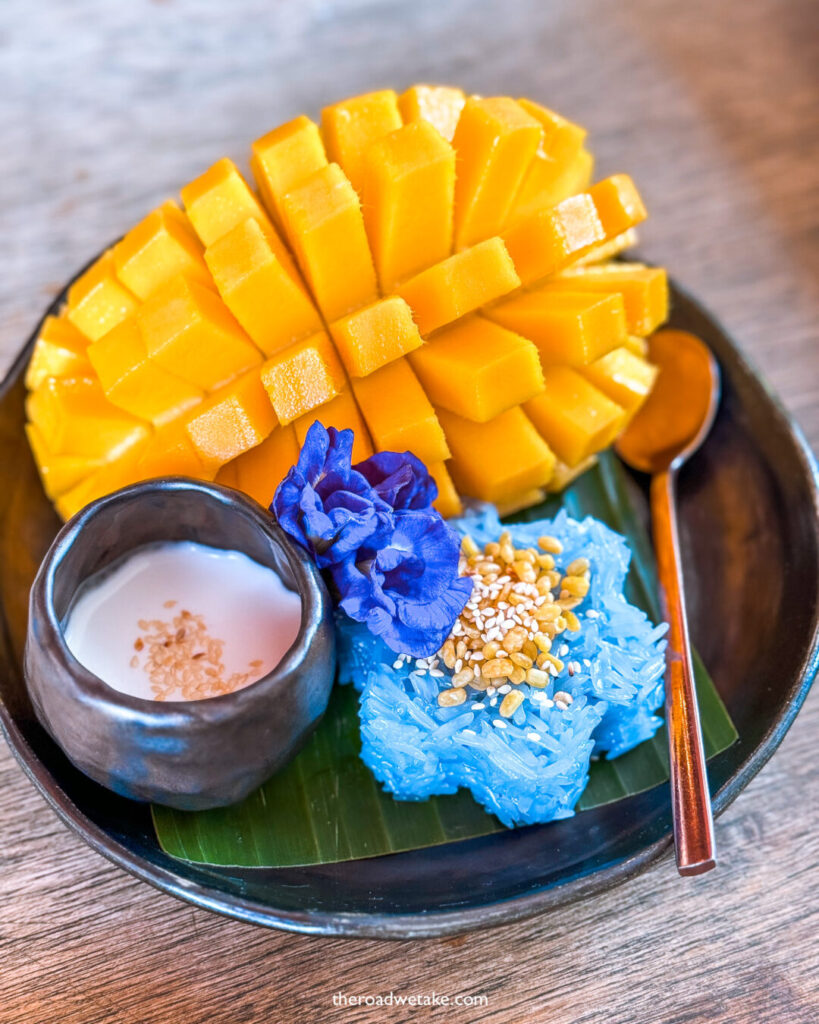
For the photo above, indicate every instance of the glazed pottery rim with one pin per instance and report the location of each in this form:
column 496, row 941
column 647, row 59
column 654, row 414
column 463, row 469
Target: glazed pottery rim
column 211, row 709
column 432, row 924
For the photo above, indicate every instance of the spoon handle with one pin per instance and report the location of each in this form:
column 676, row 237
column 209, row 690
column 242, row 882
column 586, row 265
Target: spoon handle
column 690, row 797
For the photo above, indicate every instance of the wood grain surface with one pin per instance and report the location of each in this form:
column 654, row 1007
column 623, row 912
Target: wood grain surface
column 106, row 108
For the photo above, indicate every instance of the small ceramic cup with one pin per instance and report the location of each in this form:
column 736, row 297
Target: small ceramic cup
column 186, row 754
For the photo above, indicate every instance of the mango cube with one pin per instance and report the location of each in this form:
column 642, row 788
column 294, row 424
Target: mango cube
column 572, row 328
column 323, row 221
column 407, row 191
column 170, row 452
column 236, row 418
column 618, row 204
column 74, row 417
column 60, row 351
column 283, row 158
column 637, row 345
column 398, row 414
column 565, row 475
column 111, row 476
column 534, row 496
column 547, row 239
column 58, row 473
column 260, row 471
column 460, row 285
column 189, row 332
column 448, row 502
column 495, row 142
column 375, row 335
column 302, row 377
column 220, row 199
column 350, row 126
column 160, row 247
column 269, row 301
column 342, row 413
column 498, row 460
column 575, row 418
column 98, row 300
column 644, row 290
column 606, row 250
column 477, row 369
column 134, row 382
column 441, row 105
column 561, row 165
column 624, row 377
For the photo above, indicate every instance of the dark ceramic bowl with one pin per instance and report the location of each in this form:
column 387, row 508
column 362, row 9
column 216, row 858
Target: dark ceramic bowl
column 186, row 754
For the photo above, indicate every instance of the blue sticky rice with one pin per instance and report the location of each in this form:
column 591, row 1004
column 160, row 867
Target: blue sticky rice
column 534, row 766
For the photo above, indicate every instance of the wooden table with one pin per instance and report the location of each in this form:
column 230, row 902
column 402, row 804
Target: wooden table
column 107, row 108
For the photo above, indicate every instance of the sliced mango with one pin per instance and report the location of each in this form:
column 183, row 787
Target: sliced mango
column 98, row 300
column 526, row 499
column 189, row 331
column 644, row 290
column 572, row 328
column 134, row 382
column 269, row 301
column 304, row 376
column 448, row 502
column 121, row 472
column 236, row 418
column 407, row 191
column 58, row 473
column 565, row 475
column 161, row 246
column 618, row 204
column 398, row 414
column 283, row 158
column 575, row 418
column 375, row 335
column 607, row 250
column 624, row 377
column 220, row 199
column 74, row 417
column 170, row 452
column 350, row 126
column 460, row 285
column 495, row 142
column 498, row 460
column 477, row 369
column 60, row 351
column 342, row 413
column 545, row 241
column 636, row 345
column 441, row 105
column 323, row 222
column 260, row 471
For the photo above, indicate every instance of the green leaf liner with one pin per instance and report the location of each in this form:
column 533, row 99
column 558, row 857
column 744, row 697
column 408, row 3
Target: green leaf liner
column 325, row 806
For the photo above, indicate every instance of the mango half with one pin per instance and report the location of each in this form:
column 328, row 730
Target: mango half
column 433, row 270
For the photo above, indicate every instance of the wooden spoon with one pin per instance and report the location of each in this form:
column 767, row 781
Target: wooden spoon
column 667, row 430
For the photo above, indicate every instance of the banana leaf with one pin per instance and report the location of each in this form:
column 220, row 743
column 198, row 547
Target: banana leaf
column 325, row 806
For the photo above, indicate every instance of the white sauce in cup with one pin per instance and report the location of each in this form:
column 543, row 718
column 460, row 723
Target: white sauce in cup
column 183, row 621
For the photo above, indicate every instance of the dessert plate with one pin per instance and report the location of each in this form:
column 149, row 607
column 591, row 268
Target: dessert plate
column 748, row 502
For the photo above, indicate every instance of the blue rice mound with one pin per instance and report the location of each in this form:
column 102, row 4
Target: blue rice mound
column 535, row 767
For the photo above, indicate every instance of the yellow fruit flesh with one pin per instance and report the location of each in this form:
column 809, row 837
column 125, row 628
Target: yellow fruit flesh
column 60, row 351
column 478, row 369
column 624, row 377
column 408, row 184
column 133, row 382
column 441, row 105
column 323, row 223
column 235, row 419
column 59, row 473
column 375, row 335
column 574, row 417
column 448, row 503
column 398, row 414
column 260, row 471
column 98, row 301
column 342, row 413
column 283, row 158
column 303, row 377
column 460, row 285
column 548, row 239
column 351, row 126
column 644, row 290
column 159, row 248
column 268, row 299
column 189, row 331
column 569, row 328
column 499, row 460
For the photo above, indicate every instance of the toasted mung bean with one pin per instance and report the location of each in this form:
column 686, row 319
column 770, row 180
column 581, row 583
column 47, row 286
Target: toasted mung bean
column 496, row 667
column 510, row 703
column 536, row 677
column 463, row 677
column 521, row 660
column 577, row 586
column 550, row 544
column 572, row 621
column 449, row 698
column 517, row 676
column 577, row 567
column 542, row 642
column 448, row 653
column 469, row 547
column 490, row 650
